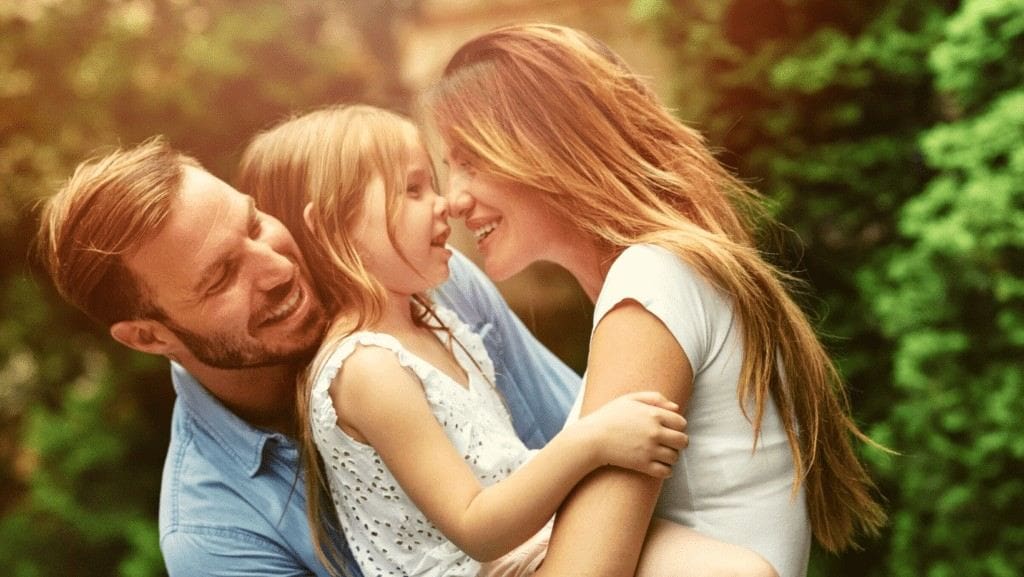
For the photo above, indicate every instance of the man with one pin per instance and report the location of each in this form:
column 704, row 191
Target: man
column 177, row 263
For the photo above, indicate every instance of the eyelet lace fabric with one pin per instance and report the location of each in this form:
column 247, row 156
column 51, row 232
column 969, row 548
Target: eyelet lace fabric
column 387, row 534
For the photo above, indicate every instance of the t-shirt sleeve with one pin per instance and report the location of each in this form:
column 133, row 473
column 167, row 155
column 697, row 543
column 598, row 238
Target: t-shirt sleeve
column 669, row 289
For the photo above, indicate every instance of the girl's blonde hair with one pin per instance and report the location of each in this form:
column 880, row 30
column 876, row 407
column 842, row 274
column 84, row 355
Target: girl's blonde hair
column 327, row 158
column 556, row 110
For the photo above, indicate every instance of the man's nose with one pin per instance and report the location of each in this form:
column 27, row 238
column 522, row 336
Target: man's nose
column 270, row 269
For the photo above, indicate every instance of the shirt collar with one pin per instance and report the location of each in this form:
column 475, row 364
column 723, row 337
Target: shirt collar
column 240, row 440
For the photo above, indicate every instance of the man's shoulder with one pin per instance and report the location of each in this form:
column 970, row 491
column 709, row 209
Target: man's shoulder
column 464, row 273
column 197, row 476
column 203, row 478
column 213, row 509
column 468, row 292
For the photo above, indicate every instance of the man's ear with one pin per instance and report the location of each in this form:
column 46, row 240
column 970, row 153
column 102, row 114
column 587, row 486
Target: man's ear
column 145, row 335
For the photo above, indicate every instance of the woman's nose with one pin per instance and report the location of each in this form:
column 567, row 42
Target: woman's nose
column 459, row 199
column 441, row 206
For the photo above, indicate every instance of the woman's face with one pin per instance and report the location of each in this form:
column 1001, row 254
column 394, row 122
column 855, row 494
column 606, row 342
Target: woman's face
column 511, row 225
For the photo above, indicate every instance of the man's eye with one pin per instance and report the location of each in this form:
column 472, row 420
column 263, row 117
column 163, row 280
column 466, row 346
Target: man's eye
column 218, row 285
column 255, row 228
column 222, row 281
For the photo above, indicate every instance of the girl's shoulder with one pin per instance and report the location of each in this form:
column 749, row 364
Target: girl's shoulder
column 352, row 349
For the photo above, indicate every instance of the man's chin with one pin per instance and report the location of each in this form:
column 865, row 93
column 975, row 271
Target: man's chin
column 218, row 355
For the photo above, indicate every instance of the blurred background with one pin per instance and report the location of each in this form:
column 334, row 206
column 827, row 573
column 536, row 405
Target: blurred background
column 889, row 135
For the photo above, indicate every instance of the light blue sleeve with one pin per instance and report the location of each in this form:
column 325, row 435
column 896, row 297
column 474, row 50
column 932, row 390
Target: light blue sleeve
column 224, row 552
column 538, row 387
column 227, row 553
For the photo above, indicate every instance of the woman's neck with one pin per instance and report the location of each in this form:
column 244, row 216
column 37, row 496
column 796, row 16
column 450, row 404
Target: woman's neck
column 588, row 263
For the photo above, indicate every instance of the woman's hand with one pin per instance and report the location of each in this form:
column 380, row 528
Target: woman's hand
column 640, row 431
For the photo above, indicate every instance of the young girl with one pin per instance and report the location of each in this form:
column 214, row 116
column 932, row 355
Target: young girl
column 558, row 152
column 415, row 445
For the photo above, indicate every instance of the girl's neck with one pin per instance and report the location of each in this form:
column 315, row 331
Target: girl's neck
column 397, row 320
column 397, row 315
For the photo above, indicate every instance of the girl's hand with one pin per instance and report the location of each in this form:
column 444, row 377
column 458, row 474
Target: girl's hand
column 639, row 431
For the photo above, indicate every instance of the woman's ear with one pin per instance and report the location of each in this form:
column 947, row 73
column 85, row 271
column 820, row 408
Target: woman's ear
column 307, row 217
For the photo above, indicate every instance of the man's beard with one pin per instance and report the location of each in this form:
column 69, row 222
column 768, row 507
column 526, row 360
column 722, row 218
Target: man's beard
column 222, row 352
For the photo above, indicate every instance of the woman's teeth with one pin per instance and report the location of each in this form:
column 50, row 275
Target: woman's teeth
column 484, row 231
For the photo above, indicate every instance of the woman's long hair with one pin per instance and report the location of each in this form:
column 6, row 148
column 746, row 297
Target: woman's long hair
column 327, row 158
column 556, row 110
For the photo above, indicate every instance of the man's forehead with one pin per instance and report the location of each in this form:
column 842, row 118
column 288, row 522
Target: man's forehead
column 203, row 219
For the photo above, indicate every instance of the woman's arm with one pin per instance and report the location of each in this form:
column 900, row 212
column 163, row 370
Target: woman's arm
column 600, row 529
column 383, row 404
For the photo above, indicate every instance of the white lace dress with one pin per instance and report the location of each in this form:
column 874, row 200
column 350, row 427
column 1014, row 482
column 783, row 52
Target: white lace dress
column 388, row 535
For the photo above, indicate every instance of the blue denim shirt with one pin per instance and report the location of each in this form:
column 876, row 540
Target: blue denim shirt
column 231, row 503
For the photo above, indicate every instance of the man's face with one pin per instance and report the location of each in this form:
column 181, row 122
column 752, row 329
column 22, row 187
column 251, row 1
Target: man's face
column 229, row 280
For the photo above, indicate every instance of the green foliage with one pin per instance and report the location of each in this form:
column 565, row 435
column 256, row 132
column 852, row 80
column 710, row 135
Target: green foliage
column 890, row 136
column 888, row 133
column 85, row 470
column 953, row 303
column 84, row 423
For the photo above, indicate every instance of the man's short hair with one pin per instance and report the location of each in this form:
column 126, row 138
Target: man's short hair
column 109, row 207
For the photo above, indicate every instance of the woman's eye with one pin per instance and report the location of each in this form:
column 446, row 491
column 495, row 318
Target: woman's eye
column 414, row 190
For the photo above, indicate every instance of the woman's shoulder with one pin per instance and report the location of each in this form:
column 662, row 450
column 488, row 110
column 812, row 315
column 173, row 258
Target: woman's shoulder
column 673, row 291
column 650, row 267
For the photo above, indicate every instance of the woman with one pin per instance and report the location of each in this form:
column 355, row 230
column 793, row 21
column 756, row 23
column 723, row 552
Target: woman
column 558, row 152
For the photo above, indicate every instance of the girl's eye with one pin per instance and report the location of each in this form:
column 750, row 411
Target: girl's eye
column 414, row 190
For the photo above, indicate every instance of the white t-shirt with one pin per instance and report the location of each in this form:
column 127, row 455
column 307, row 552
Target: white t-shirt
column 719, row 486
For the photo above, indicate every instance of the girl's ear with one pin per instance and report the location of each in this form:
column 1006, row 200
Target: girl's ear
column 306, row 217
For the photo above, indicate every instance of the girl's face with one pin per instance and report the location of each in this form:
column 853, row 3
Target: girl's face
column 421, row 229
column 512, row 227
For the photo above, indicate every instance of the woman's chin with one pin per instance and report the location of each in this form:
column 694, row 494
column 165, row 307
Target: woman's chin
column 500, row 271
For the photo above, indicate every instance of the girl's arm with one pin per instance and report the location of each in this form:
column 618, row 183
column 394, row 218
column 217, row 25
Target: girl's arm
column 382, row 404
column 600, row 529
